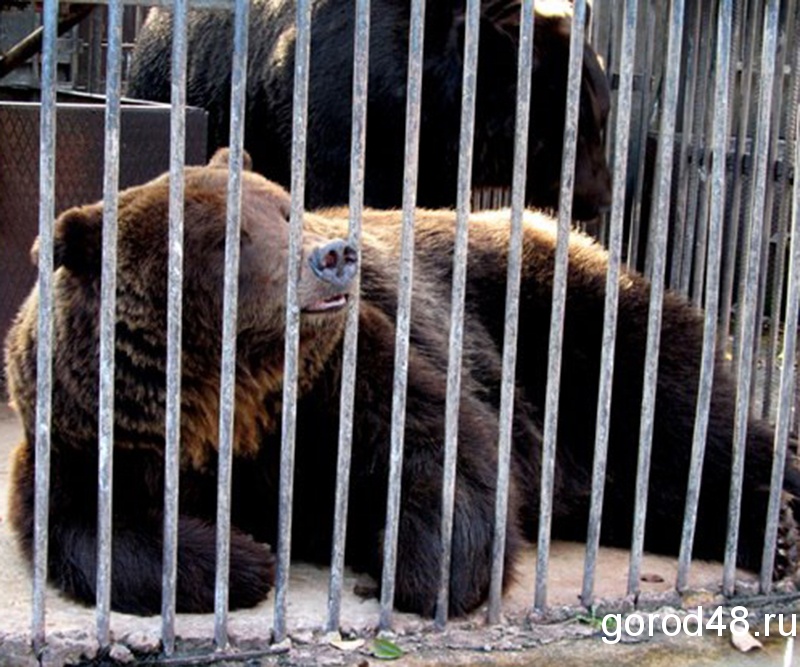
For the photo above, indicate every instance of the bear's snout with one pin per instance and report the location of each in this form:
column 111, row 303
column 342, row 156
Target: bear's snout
column 335, row 263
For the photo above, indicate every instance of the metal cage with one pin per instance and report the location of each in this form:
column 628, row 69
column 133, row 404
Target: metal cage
column 703, row 146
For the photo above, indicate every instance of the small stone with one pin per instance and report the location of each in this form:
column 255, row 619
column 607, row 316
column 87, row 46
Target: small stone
column 121, row 654
column 303, row 637
column 281, row 647
column 142, row 642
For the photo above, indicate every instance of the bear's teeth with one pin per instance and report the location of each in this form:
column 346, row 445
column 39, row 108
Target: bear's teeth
column 336, row 301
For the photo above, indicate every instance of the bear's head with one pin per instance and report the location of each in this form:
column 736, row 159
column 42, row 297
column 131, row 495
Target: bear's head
column 551, row 44
column 592, row 185
column 326, row 277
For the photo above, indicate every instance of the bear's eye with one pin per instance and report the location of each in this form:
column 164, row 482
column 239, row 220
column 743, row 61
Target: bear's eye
column 244, row 239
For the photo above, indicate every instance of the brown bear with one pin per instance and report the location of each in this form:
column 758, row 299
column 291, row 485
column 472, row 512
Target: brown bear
column 268, row 118
column 327, row 280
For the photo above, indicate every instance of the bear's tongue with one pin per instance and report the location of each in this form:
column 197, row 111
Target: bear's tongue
column 331, row 303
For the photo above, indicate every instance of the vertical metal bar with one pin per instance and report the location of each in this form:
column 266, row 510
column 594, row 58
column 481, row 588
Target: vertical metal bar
column 289, row 423
column 413, row 104
column 174, row 322
column 95, row 68
column 595, row 27
column 684, row 236
column 230, row 311
column 742, row 195
column 664, row 159
column 559, row 302
column 774, row 320
column 746, row 348
column 108, row 289
column 790, row 123
column 787, row 386
column 357, row 153
column 453, row 400
column 643, row 132
column 698, row 281
column 776, row 189
column 614, row 38
column 622, row 134
column 44, row 330
column 718, row 150
column 731, row 224
column 693, row 241
column 699, row 196
column 508, row 385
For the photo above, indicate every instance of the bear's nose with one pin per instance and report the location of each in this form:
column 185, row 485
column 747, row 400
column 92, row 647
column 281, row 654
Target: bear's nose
column 335, row 263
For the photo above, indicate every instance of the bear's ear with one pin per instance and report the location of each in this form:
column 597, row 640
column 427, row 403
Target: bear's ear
column 222, row 158
column 77, row 242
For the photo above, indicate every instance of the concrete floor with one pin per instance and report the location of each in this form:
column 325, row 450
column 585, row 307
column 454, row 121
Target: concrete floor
column 71, row 627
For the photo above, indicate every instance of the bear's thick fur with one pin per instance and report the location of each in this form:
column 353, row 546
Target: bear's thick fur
column 327, row 274
column 268, row 131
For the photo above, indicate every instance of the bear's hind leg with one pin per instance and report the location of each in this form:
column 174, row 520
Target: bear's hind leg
column 137, row 567
column 252, row 568
column 136, row 543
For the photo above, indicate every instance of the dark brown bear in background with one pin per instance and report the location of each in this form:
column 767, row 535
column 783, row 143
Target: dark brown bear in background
column 268, row 132
column 326, row 281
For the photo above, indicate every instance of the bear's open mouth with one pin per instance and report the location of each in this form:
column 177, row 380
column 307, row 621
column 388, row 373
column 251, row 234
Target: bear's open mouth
column 334, row 302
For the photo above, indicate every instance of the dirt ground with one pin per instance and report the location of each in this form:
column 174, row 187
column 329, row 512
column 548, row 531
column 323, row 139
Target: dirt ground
column 71, row 628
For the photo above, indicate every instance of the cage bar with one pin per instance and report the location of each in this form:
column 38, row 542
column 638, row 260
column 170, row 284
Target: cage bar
column 511, row 328
column 697, row 170
column 661, row 197
column 347, row 400
column 454, row 367
column 771, row 222
column 743, row 200
column 741, row 79
column 620, row 169
column 717, row 211
column 174, row 322
column 108, row 289
column 750, row 295
column 403, row 326
column 779, row 194
column 227, row 394
column 636, row 213
column 687, row 163
column 44, row 328
column 785, row 397
column 290, row 372
column 559, row 301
